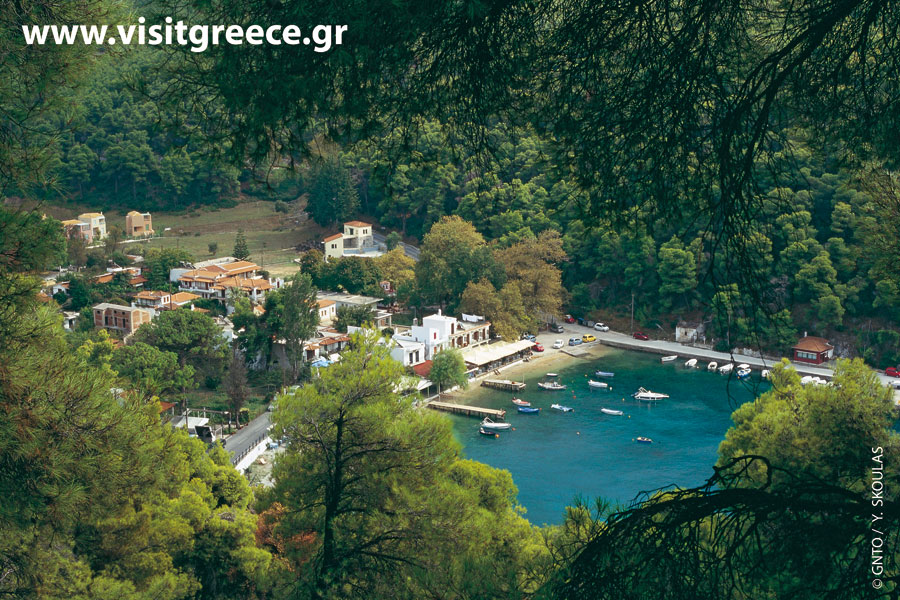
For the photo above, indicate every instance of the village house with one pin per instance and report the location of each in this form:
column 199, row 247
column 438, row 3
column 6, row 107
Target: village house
column 327, row 311
column 97, row 224
column 356, row 240
column 213, row 281
column 124, row 319
column 138, row 224
column 153, row 299
column 812, row 350
column 407, row 352
column 179, row 299
column 438, row 332
column 74, row 229
column 690, row 332
column 380, row 318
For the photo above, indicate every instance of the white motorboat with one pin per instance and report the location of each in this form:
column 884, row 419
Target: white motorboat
column 742, row 366
column 609, row 411
column 765, row 374
column 669, row 358
column 726, row 369
column 648, row 396
column 810, row 380
column 551, row 386
column 604, row 374
column 494, row 425
column 600, row 385
column 552, row 374
column 562, row 408
column 743, row 373
column 691, row 363
column 712, row 366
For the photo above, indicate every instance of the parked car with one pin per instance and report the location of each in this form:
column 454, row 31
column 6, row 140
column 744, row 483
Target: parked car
column 574, row 341
column 640, row 335
column 588, row 338
column 528, row 336
column 538, row 348
column 570, row 319
column 892, row 372
column 558, row 344
column 601, row 327
column 589, row 323
column 556, row 328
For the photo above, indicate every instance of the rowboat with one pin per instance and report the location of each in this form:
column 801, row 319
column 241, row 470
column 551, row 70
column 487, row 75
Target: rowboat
column 562, row 408
column 600, row 385
column 765, row 374
column 551, row 386
column 604, row 374
column 520, row 402
column 644, row 440
column 489, row 424
column 726, row 369
column 610, row 411
column 691, row 363
column 552, row 374
column 712, row 366
column 528, row 410
column 742, row 366
column 482, row 431
column 648, row 396
column 669, row 358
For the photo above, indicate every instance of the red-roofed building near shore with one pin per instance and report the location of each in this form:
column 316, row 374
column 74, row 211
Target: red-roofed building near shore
column 812, row 350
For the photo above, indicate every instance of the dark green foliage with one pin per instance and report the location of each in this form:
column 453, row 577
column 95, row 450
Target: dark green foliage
column 240, row 251
column 192, row 336
column 355, row 316
column 333, row 198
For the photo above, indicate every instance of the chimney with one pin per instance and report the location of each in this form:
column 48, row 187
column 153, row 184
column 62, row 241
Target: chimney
column 805, row 334
column 439, row 312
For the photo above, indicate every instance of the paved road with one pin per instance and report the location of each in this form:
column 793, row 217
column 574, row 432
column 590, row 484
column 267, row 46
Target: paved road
column 623, row 340
column 249, row 436
column 411, row 251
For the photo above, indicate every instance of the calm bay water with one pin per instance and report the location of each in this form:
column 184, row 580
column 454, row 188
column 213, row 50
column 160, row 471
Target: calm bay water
column 554, row 456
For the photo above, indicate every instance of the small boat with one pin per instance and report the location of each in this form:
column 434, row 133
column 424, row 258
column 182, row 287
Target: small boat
column 765, row 374
column 648, row 396
column 669, row 358
column 726, row 369
column 520, row 402
column 551, row 386
column 743, row 373
column 552, row 374
column 489, row 424
column 528, row 410
column 644, row 440
column 604, row 374
column 610, row 411
column 562, row 408
column 600, row 385
column 742, row 366
column 482, row 431
column 691, row 363
column 712, row 366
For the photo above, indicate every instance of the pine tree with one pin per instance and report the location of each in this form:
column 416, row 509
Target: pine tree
column 241, row 252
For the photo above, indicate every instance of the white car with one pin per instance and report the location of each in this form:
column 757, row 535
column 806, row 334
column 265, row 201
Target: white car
column 558, row 344
column 601, row 327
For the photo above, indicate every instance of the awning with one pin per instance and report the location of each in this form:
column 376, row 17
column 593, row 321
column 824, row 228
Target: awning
column 484, row 355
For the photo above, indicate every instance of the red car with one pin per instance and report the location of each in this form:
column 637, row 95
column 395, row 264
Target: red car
column 640, row 335
column 892, row 372
column 537, row 348
column 570, row 319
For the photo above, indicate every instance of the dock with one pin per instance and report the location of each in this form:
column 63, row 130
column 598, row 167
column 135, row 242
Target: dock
column 504, row 384
column 469, row 411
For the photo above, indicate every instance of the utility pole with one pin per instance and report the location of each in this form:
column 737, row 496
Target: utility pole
column 632, row 313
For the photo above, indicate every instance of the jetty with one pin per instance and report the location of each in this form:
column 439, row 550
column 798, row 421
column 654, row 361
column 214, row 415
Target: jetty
column 469, row 411
column 506, row 385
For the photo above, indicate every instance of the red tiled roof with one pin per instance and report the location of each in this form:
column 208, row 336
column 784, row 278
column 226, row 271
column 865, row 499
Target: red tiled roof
column 813, row 344
column 164, row 406
column 358, row 224
column 334, row 237
column 423, row 369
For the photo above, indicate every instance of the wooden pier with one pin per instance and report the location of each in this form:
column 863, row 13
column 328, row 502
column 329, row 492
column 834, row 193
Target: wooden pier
column 504, row 384
column 469, row 411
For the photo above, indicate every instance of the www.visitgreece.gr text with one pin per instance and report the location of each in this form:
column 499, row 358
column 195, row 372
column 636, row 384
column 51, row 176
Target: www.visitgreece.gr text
column 322, row 38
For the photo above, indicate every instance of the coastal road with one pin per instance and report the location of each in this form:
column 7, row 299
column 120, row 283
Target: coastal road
column 249, row 436
column 411, row 251
column 624, row 340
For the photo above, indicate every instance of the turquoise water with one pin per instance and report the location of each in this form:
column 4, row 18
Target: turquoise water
column 555, row 456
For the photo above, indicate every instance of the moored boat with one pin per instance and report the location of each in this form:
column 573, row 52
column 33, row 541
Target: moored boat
column 552, row 374
column 610, row 411
column 487, row 423
column 669, row 358
column 712, row 366
column 604, row 374
column 551, row 386
column 600, row 385
column 562, row 408
column 528, row 410
column 691, row 363
column 743, row 373
column 765, row 374
column 742, row 366
column 726, row 368
column 648, row 396
column 483, row 431
column 644, row 440
column 520, row 402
